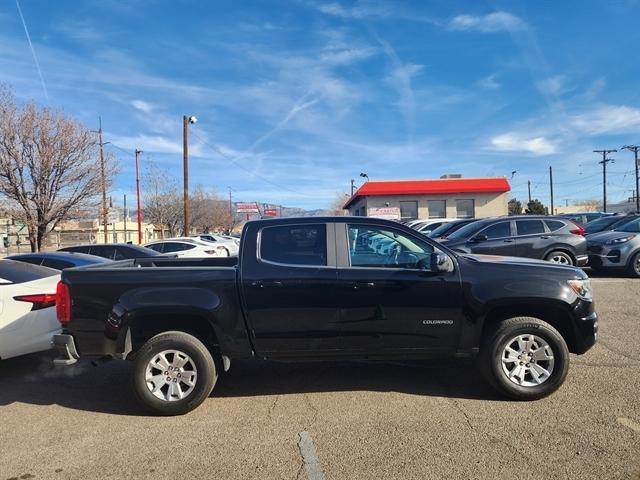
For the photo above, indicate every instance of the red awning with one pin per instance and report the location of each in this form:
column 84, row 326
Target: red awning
column 441, row 186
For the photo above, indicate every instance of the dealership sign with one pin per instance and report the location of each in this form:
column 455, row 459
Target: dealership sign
column 270, row 212
column 251, row 207
column 390, row 213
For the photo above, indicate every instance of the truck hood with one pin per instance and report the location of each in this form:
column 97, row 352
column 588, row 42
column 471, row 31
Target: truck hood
column 601, row 238
column 524, row 262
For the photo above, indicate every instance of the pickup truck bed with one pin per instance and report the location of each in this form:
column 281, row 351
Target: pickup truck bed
column 319, row 288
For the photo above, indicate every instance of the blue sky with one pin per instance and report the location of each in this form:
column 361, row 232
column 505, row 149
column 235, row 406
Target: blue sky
column 294, row 98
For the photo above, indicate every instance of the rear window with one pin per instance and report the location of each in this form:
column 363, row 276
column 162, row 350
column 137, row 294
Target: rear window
column 554, row 225
column 529, row 227
column 20, row 272
column 294, row 245
column 499, row 230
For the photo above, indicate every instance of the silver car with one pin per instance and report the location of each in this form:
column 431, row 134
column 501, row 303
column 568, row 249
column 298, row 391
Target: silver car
column 618, row 249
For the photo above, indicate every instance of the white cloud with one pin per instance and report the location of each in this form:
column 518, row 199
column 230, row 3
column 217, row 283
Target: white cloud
column 490, row 82
column 359, row 10
column 608, row 119
column 347, row 56
column 554, row 85
column 493, row 22
column 141, row 105
column 511, row 142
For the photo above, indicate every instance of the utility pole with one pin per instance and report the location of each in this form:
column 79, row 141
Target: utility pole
column 124, row 214
column 634, row 149
column 604, row 162
column 103, row 180
column 139, row 213
column 551, row 187
column 230, row 203
column 353, row 187
column 186, row 120
column 529, row 188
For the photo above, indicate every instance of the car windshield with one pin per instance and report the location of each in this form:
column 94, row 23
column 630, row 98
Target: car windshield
column 632, row 226
column 600, row 224
column 466, row 231
column 437, row 232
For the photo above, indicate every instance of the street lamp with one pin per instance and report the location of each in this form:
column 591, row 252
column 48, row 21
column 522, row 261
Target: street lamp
column 364, row 175
column 186, row 121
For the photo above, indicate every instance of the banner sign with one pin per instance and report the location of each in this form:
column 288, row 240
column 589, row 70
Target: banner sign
column 247, row 207
column 390, row 213
column 270, row 212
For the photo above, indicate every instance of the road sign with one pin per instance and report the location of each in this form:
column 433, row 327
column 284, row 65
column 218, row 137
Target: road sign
column 251, row 207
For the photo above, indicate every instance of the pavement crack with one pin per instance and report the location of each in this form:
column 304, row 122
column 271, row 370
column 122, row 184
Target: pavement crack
column 272, row 406
column 618, row 352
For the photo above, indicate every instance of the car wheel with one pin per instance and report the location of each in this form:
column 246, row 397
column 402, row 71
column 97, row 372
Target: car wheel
column 173, row 373
column 561, row 258
column 525, row 358
column 634, row 265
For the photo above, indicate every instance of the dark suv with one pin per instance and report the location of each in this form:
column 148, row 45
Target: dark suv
column 558, row 240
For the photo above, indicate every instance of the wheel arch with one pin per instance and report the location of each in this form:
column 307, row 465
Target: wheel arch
column 563, row 249
column 555, row 314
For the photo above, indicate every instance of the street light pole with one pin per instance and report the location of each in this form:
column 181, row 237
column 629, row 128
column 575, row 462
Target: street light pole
column 186, row 120
column 634, row 149
column 138, row 152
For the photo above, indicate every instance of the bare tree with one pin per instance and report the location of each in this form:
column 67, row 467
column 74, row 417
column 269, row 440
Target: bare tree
column 48, row 166
column 209, row 211
column 338, row 202
column 162, row 201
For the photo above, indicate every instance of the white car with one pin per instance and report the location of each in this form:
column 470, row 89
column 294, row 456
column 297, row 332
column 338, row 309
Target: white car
column 187, row 247
column 428, row 225
column 27, row 308
column 231, row 244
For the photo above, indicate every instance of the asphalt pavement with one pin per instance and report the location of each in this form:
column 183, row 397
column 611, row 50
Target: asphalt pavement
column 339, row 420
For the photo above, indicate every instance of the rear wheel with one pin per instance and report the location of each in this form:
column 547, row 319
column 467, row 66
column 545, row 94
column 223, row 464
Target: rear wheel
column 634, row 265
column 559, row 257
column 173, row 373
column 525, row 358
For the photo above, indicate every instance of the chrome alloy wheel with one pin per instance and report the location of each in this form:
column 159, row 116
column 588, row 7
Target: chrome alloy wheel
column 561, row 259
column 171, row 375
column 636, row 264
column 527, row 360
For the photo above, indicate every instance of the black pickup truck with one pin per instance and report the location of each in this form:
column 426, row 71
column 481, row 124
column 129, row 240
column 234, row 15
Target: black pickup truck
column 325, row 288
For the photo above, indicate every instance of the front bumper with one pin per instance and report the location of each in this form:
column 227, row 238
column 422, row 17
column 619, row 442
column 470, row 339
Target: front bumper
column 66, row 348
column 582, row 260
column 610, row 256
column 587, row 333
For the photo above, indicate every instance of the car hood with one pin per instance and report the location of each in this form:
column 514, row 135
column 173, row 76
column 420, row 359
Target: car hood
column 601, row 238
column 520, row 261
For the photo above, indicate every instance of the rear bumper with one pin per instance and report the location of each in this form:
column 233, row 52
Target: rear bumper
column 66, row 348
column 582, row 260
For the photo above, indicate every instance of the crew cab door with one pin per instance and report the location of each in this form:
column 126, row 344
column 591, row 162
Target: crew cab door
column 290, row 289
column 390, row 300
column 496, row 239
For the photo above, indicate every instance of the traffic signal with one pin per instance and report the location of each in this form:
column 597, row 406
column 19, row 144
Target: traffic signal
column 5, row 241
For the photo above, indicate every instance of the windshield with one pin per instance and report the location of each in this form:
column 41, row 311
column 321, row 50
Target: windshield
column 466, row 231
column 632, row 226
column 600, row 224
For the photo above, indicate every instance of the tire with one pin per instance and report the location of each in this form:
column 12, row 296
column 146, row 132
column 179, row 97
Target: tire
column 186, row 363
column 497, row 367
column 560, row 257
column 634, row 265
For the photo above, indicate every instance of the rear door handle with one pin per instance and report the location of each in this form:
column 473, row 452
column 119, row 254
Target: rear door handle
column 262, row 284
column 545, row 237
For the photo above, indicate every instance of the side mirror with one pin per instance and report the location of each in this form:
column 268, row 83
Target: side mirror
column 479, row 238
column 441, row 262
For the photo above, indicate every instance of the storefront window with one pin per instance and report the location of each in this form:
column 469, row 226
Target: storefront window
column 408, row 210
column 465, row 208
column 437, row 208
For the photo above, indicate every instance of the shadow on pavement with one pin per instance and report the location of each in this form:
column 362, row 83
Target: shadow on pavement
column 104, row 388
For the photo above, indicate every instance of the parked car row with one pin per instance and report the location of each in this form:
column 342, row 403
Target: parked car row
column 559, row 239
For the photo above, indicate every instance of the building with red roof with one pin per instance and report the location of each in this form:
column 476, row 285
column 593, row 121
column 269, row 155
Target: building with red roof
column 450, row 196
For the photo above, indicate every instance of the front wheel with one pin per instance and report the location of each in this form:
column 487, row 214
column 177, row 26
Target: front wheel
column 525, row 358
column 173, row 373
column 634, row 265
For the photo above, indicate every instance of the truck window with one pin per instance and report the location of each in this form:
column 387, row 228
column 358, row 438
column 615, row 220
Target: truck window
column 380, row 247
column 294, row 245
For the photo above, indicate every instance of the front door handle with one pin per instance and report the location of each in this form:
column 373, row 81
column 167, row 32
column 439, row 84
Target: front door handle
column 359, row 285
column 262, row 284
column 545, row 237
column 508, row 240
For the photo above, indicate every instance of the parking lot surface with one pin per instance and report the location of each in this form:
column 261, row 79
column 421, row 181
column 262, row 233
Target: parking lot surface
column 340, row 420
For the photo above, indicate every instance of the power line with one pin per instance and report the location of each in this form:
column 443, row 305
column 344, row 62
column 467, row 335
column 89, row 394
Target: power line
column 604, row 162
